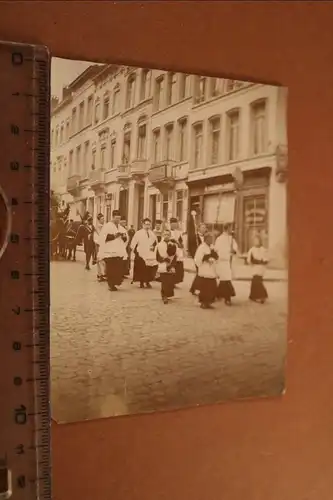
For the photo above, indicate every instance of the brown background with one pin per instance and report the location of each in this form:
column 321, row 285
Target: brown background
column 268, row 450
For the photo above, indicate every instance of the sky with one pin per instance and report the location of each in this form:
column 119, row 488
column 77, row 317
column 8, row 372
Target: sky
column 63, row 72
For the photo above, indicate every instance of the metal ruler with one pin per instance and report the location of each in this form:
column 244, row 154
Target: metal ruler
column 24, row 272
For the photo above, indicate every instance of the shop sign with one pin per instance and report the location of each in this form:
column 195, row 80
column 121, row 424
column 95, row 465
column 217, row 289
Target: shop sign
column 219, row 188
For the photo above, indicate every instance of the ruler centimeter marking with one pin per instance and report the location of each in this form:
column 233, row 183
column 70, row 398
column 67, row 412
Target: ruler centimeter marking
column 25, row 465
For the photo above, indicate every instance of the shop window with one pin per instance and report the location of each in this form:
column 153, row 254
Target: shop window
column 165, row 206
column 179, row 204
column 254, row 220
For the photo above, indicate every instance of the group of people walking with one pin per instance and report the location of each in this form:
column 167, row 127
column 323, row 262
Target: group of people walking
column 159, row 256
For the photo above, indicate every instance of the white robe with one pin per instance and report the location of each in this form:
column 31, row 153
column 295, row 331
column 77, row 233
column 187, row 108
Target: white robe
column 205, row 269
column 144, row 241
column 258, row 253
column 114, row 248
column 225, row 246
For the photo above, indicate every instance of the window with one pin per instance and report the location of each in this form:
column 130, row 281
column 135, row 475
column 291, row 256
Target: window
column 168, row 142
column 184, row 86
column 81, row 115
column 215, row 132
column 233, row 149
column 74, row 124
column 171, row 88
column 78, row 160
column 102, row 162
column 130, row 92
column 93, row 159
column 70, row 163
column 255, row 213
column 112, row 153
column 57, row 137
column 52, row 138
column 106, row 104
column 200, row 89
column 89, row 110
column 233, row 85
column 216, row 87
column 67, row 130
column 61, row 134
column 179, row 204
column 165, row 206
column 198, row 140
column 85, row 158
column 156, row 146
column 97, row 111
column 158, row 96
column 142, row 139
column 115, row 102
column 144, row 88
column 126, row 148
column 259, row 139
column 182, row 139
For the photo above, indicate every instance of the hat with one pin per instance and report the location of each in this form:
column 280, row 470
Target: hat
column 173, row 220
column 116, row 213
column 100, row 216
column 158, row 221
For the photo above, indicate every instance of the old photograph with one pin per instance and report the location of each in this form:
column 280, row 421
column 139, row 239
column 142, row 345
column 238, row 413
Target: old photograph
column 168, row 240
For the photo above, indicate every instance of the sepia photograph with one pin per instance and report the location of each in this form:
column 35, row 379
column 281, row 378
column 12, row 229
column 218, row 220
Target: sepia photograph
column 168, row 240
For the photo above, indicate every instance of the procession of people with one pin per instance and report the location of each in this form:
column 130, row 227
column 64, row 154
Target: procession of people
column 157, row 254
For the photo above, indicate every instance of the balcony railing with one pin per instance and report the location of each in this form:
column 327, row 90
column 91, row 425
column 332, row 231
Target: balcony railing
column 123, row 172
column 73, row 183
column 162, row 173
column 138, row 168
column 96, row 177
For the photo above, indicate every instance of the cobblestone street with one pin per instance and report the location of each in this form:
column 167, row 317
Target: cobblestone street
column 125, row 352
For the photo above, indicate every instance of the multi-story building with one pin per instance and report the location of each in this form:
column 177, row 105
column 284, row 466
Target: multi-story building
column 161, row 144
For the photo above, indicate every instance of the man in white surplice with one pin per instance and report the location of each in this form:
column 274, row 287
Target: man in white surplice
column 113, row 239
column 226, row 247
column 143, row 245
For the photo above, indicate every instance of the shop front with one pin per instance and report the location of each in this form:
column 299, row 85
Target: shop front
column 218, row 201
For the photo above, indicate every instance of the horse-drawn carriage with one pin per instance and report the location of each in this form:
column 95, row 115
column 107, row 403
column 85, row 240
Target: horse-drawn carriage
column 65, row 234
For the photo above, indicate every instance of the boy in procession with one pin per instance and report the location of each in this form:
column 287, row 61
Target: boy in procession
column 176, row 235
column 166, row 255
column 205, row 259
column 257, row 258
column 113, row 241
column 226, row 247
column 143, row 246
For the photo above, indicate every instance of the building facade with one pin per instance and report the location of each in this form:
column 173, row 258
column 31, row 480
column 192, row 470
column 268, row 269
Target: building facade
column 161, row 144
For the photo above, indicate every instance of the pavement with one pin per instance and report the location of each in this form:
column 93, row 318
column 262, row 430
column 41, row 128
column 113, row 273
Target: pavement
column 125, row 352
